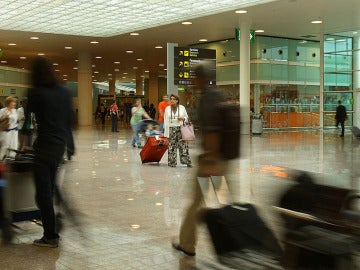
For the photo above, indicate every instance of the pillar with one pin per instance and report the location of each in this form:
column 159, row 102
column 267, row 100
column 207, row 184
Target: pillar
column 153, row 88
column 321, row 96
column 245, row 77
column 85, row 89
column 112, row 87
column 139, row 83
column 356, row 80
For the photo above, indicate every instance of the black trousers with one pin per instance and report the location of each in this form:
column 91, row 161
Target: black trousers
column 114, row 123
column 46, row 164
column 342, row 123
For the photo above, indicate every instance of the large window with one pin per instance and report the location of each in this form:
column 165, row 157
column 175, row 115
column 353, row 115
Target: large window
column 338, row 76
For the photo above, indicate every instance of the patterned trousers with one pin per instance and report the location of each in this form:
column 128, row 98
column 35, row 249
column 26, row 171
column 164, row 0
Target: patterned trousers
column 175, row 143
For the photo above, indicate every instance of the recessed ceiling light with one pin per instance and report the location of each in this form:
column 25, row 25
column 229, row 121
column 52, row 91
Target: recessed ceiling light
column 68, row 47
column 98, row 57
column 23, row 57
column 93, row 76
column 147, row 71
column 129, row 51
column 65, row 75
column 116, row 62
column 139, row 59
column 135, row 67
column 134, row 34
column 165, row 69
column 55, row 64
column 116, row 69
column 259, row 31
column 124, row 77
column 109, row 74
column 241, row 11
column 76, row 60
column 355, row 32
column 57, row 70
column 75, row 67
column 161, row 65
column 94, row 42
column 158, row 47
column 34, row 37
column 3, row 61
column 203, row 40
column 40, row 54
column 133, row 79
column 316, row 21
column 12, row 44
column 94, row 80
column 125, row 73
column 186, row 23
column 96, row 72
column 93, row 65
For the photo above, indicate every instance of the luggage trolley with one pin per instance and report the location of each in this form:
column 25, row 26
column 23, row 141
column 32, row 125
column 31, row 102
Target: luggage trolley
column 19, row 195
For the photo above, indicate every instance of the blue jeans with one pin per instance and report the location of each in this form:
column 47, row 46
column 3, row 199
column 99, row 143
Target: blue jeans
column 135, row 137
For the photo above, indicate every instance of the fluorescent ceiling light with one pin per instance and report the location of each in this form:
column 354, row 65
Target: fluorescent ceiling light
column 116, row 62
column 76, row 60
column 116, row 69
column 125, row 73
column 139, row 59
column 135, row 67
column 161, row 65
column 147, row 71
column 259, row 31
column 57, row 70
column 109, row 74
column 3, row 61
column 65, row 75
column 316, row 21
column 158, row 47
column 134, row 34
column 12, row 44
column 186, row 23
column 34, row 38
column 241, row 11
column 103, row 18
column 55, row 64
column 75, row 67
column 203, row 40
column 98, row 57
column 124, row 77
column 68, row 47
column 94, row 42
column 129, row 51
column 41, row 54
column 96, row 72
column 22, row 57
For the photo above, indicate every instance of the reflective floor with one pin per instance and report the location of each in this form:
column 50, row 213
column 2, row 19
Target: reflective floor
column 127, row 213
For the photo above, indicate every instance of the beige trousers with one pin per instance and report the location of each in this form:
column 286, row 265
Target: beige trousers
column 188, row 229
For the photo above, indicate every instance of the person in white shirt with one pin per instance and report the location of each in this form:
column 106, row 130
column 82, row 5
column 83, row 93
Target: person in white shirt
column 9, row 137
column 174, row 116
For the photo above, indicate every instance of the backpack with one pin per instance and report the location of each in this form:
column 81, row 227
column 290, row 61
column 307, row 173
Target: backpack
column 230, row 134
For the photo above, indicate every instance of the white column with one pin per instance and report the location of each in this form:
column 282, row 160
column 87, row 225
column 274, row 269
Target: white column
column 356, row 81
column 321, row 105
column 171, row 87
column 245, row 77
column 85, row 89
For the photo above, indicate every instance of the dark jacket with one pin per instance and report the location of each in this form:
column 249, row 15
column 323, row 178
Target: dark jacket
column 341, row 113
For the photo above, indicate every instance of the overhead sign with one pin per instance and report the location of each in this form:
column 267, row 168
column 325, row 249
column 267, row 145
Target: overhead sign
column 186, row 59
column 251, row 35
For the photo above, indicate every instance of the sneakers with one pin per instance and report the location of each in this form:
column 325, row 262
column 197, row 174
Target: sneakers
column 178, row 248
column 44, row 242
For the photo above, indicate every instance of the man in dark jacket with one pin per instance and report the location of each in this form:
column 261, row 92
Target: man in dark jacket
column 340, row 117
column 51, row 104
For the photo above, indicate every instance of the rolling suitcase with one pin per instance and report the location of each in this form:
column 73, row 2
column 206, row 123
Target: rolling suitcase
column 241, row 239
column 356, row 131
column 154, row 149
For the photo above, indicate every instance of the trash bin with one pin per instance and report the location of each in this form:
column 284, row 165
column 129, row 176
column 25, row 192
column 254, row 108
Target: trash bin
column 257, row 128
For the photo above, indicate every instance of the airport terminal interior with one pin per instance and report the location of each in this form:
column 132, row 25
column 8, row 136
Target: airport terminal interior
column 287, row 63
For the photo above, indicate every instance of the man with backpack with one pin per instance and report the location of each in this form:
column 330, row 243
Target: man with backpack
column 213, row 161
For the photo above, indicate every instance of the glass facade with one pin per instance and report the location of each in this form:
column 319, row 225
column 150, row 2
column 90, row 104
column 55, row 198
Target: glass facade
column 338, row 77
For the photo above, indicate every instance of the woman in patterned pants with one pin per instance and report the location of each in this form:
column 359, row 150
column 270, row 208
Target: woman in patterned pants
column 174, row 116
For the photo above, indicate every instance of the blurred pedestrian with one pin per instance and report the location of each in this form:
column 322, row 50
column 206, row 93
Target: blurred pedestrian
column 25, row 126
column 103, row 112
column 161, row 108
column 138, row 112
column 46, row 99
column 9, row 137
column 114, row 114
column 174, row 116
column 340, row 117
column 152, row 111
column 210, row 161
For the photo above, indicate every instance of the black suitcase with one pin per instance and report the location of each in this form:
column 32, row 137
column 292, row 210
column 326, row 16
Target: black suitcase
column 356, row 131
column 238, row 227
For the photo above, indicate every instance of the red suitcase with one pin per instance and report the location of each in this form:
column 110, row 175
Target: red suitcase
column 154, row 149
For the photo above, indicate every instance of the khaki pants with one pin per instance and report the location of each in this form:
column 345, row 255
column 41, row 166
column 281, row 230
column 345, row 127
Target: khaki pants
column 188, row 230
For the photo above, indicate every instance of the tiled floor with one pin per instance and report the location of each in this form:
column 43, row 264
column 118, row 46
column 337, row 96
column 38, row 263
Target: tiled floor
column 129, row 212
